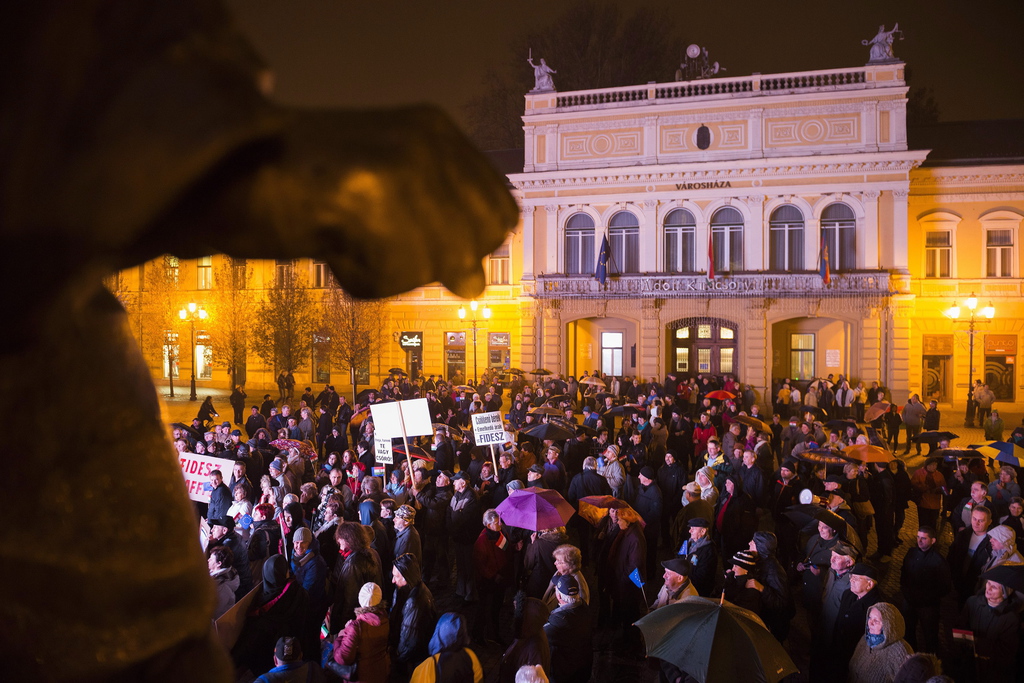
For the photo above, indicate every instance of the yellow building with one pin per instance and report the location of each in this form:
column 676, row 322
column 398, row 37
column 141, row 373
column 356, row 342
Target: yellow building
column 759, row 176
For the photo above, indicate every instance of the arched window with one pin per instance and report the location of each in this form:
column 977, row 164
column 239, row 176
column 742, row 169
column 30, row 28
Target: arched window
column 624, row 240
column 727, row 239
column 786, row 239
column 680, row 227
column 839, row 230
column 579, row 245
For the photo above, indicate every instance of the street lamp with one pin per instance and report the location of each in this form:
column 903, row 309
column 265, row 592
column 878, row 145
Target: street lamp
column 190, row 313
column 486, row 313
column 953, row 313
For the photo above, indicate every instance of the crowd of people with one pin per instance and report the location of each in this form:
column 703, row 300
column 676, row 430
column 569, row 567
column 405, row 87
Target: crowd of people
column 712, row 499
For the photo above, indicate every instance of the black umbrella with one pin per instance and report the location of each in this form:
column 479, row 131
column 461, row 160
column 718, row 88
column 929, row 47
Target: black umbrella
column 602, row 396
column 841, row 424
column 189, row 429
column 558, row 399
column 957, row 454
column 364, row 394
column 815, row 411
column 933, row 436
column 540, row 371
column 622, row 410
column 1009, row 575
column 801, row 515
column 549, row 431
column 397, row 371
column 584, row 429
column 715, row 640
column 546, row 410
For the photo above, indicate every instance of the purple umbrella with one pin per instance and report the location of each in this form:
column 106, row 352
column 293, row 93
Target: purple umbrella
column 535, row 509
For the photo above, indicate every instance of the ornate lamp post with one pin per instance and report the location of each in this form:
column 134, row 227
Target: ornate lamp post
column 987, row 313
column 486, row 313
column 190, row 313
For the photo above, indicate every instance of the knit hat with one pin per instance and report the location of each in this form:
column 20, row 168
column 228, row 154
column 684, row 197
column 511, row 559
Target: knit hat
column 288, row 649
column 277, row 464
column 406, row 512
column 646, row 472
column 746, row 559
column 789, row 464
column 369, row 594
column 409, row 567
column 303, row 534
column 613, row 449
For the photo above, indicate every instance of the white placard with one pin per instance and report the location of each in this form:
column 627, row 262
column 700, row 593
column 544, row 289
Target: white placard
column 388, row 418
column 488, row 429
column 831, row 358
column 383, row 452
column 196, row 469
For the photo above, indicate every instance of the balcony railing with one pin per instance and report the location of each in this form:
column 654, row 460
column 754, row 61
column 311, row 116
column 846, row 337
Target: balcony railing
column 744, row 86
column 750, row 285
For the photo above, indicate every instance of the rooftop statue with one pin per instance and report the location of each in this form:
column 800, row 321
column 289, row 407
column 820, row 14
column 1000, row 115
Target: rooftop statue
column 542, row 81
column 133, row 129
column 881, row 44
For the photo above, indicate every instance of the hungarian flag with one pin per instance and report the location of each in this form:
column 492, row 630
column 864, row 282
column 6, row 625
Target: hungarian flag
column 824, row 267
column 711, row 255
column 605, row 253
column 502, row 542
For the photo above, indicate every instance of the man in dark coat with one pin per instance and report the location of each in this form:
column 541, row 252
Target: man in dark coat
column 570, row 634
column 586, row 483
column 407, row 538
column 254, row 422
column 431, row 522
column 925, row 579
column 266, row 406
column 464, row 525
column 324, row 424
column 862, row 594
column 753, row 480
column 280, row 609
column 220, row 496
column 412, row 617
column 648, row 503
column 703, row 556
column 969, row 553
column 671, row 479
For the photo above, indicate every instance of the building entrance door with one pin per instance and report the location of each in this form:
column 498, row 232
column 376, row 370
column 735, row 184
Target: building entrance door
column 703, row 347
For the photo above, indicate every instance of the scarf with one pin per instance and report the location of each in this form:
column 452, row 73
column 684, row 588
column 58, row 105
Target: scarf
column 874, row 641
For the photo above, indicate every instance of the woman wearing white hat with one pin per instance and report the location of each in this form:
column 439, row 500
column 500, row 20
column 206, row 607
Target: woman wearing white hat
column 361, row 649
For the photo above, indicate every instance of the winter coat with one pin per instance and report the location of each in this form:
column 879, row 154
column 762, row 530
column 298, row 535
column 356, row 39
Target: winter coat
column 464, row 517
column 570, row 638
column 538, row 561
column 703, row 557
column 310, row 571
column 551, row 600
column 365, row 640
column 408, row 541
column 225, row 583
column 490, row 561
column 348, row 576
column 615, row 475
column 966, row 569
column 849, row 626
column 777, row 604
column 648, row 504
column 587, row 483
column 925, row 578
column 880, row 664
column 412, row 620
column 531, row 644
column 995, row 635
column 279, row 610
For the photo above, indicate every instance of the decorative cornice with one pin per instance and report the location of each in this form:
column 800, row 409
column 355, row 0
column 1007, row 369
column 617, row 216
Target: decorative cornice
column 823, row 169
column 962, row 179
column 956, row 197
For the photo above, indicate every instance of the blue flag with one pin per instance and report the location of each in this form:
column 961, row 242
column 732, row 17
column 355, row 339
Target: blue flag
column 635, row 578
column 603, row 254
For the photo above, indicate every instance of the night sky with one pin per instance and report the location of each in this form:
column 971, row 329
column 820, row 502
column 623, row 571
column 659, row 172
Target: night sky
column 392, row 52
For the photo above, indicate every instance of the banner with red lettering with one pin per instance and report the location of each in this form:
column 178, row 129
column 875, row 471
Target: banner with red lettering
column 197, row 468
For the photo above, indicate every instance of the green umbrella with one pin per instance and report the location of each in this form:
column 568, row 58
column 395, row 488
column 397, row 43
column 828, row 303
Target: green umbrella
column 715, row 641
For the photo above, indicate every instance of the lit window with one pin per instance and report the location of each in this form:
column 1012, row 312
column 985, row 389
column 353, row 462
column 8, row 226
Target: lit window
column 726, row 333
column 204, row 272
column 321, row 275
column 611, row 353
column 624, row 240
column 786, row 239
column 173, row 267
column 683, row 359
column 938, row 253
column 703, row 331
column 725, row 355
column 283, row 272
column 703, row 360
column 801, row 356
column 170, row 354
column 727, row 239
column 680, row 227
column 683, row 333
column 499, row 266
column 204, row 355
column 999, row 253
column 579, row 245
column 839, row 228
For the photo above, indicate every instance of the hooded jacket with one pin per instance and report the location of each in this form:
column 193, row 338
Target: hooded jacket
column 412, row 613
column 777, row 605
column 1008, row 555
column 880, row 664
column 531, row 643
column 279, row 610
column 450, row 657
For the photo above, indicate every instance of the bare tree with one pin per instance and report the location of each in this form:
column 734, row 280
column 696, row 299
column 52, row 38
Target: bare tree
column 159, row 303
column 232, row 306
column 284, row 324
column 592, row 45
column 357, row 330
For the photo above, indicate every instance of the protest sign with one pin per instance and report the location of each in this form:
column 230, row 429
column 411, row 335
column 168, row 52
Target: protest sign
column 383, row 452
column 196, row 469
column 488, row 429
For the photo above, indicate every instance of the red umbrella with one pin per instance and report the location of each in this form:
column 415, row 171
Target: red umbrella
column 535, row 509
column 595, row 508
column 414, row 451
column 720, row 394
column 305, row 448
